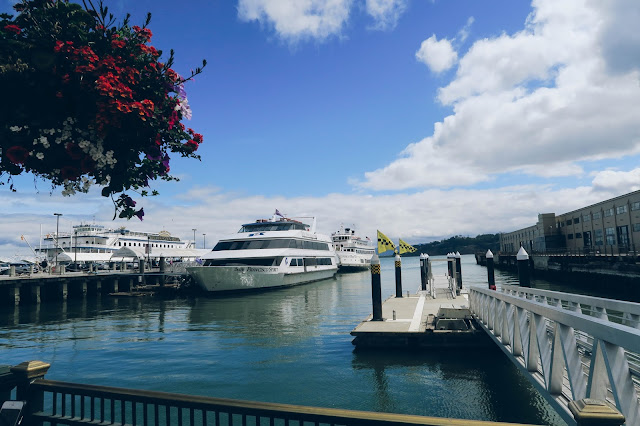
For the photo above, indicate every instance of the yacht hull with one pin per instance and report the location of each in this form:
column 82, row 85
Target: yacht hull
column 234, row 278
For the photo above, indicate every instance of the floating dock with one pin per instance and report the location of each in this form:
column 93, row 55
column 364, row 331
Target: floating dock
column 438, row 317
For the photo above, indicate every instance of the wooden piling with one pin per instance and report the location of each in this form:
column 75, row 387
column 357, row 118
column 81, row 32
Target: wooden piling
column 398, row 264
column 376, row 288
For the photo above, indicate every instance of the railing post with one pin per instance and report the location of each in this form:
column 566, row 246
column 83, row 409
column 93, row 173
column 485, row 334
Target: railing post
column 490, row 270
column 398, row 264
column 458, row 270
column 376, row 289
column 25, row 373
column 523, row 267
column 589, row 412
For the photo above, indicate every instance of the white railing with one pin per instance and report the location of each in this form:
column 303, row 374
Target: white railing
column 572, row 346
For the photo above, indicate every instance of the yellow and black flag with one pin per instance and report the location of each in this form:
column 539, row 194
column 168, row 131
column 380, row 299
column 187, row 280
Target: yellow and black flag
column 406, row 248
column 385, row 243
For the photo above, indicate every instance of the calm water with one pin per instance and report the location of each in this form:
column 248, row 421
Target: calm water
column 289, row 346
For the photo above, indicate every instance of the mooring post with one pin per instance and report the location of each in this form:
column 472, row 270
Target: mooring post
column 427, row 268
column 523, row 267
column 398, row 276
column 35, row 293
column 458, row 270
column 14, row 292
column 423, row 283
column 490, row 272
column 592, row 412
column 376, row 288
column 454, row 274
column 449, row 265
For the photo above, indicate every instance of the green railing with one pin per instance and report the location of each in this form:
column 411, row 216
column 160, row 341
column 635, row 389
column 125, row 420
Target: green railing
column 60, row 403
column 52, row 402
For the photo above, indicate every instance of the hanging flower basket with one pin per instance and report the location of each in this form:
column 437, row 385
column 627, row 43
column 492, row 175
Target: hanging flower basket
column 89, row 102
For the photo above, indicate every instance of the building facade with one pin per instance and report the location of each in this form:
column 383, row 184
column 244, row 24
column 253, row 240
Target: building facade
column 609, row 226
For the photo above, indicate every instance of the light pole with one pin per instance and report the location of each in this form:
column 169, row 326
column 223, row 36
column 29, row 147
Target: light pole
column 204, row 241
column 76, row 249
column 57, row 236
column 194, row 237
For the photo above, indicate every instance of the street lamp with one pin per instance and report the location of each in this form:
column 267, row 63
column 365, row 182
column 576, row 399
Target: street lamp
column 194, row 237
column 204, row 241
column 57, row 236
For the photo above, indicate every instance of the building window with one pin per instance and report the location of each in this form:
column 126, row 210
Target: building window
column 608, row 212
column 578, row 235
column 570, row 236
column 576, row 220
column 636, row 227
column 635, row 206
column 621, row 209
column 596, row 215
column 611, row 236
column 598, row 237
column 568, row 221
column 623, row 235
column 586, row 218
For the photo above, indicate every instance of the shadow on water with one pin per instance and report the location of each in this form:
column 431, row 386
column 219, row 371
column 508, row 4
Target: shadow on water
column 453, row 384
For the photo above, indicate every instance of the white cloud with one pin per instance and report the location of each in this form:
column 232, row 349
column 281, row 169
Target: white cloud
column 298, row 19
column 416, row 217
column 385, row 12
column 438, row 55
column 538, row 101
column 617, row 181
column 463, row 34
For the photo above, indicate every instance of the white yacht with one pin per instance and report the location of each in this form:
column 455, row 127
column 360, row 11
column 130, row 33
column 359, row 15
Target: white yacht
column 95, row 243
column 354, row 253
column 272, row 252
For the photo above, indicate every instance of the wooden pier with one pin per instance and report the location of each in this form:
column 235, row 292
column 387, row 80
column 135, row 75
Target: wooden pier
column 437, row 317
column 39, row 287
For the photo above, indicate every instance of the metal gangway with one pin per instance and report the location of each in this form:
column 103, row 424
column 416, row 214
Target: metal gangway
column 570, row 346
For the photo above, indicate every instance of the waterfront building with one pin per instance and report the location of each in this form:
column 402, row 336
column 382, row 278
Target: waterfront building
column 608, row 226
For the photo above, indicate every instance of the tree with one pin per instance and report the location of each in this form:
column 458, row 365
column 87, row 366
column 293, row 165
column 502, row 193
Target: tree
column 89, row 102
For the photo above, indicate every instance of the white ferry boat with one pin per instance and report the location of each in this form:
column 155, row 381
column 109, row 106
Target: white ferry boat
column 95, row 243
column 272, row 252
column 354, row 253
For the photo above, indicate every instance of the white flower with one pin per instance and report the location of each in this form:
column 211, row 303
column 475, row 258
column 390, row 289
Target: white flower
column 15, row 128
column 40, row 156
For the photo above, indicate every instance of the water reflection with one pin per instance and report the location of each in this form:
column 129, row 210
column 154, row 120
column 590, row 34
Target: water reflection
column 290, row 345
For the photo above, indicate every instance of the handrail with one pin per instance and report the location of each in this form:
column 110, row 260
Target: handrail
column 74, row 404
column 546, row 341
column 626, row 313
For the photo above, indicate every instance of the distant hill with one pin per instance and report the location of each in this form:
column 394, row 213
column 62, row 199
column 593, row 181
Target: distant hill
column 465, row 245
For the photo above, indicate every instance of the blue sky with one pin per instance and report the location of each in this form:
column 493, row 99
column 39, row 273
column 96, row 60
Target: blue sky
column 424, row 119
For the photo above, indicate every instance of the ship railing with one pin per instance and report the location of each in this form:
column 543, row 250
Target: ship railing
column 570, row 346
column 61, row 403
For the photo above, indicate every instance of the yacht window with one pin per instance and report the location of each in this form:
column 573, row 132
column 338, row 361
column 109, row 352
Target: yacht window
column 263, row 261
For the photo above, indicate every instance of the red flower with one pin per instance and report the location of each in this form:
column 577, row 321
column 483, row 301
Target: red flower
column 117, row 44
column 74, row 151
column 87, row 165
column 17, row 154
column 13, row 28
column 192, row 145
column 69, row 173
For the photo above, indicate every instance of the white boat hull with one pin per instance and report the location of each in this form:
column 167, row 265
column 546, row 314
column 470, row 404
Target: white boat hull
column 233, row 278
column 353, row 262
